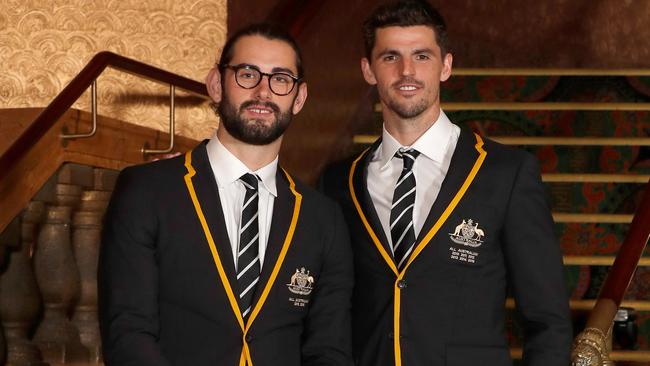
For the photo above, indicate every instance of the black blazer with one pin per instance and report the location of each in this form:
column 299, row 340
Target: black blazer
column 166, row 274
column 448, row 306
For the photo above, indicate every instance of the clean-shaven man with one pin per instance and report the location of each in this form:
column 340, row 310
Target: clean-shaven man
column 443, row 221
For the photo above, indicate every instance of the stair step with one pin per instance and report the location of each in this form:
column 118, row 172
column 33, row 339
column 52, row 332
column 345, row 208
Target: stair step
column 604, row 260
column 544, row 140
column 632, row 356
column 561, row 217
column 595, row 178
column 549, row 72
column 587, row 305
column 537, row 106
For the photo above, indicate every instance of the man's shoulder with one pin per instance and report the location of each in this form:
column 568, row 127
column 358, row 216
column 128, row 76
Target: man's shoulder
column 506, row 154
column 510, row 164
column 334, row 180
column 311, row 197
column 154, row 170
column 340, row 168
column 315, row 207
column 145, row 179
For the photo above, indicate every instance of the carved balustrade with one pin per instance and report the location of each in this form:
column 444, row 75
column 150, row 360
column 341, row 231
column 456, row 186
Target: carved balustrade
column 48, row 272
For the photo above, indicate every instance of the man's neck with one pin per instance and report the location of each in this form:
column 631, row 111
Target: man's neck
column 254, row 157
column 407, row 131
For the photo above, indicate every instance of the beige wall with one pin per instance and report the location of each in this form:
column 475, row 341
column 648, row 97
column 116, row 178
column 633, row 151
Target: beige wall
column 44, row 44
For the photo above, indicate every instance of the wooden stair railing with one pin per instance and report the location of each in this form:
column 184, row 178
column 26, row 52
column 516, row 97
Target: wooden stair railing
column 591, row 345
column 69, row 95
column 39, row 147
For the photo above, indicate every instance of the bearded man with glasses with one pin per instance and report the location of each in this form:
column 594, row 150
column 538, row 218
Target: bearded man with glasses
column 219, row 257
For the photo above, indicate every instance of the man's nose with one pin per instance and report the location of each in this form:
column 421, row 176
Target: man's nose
column 262, row 90
column 408, row 68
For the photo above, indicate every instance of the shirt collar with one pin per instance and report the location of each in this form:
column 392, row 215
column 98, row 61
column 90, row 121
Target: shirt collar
column 228, row 169
column 432, row 144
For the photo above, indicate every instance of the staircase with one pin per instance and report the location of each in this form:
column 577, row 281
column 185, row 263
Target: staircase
column 54, row 189
column 590, row 130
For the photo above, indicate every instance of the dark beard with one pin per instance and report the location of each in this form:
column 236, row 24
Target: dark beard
column 252, row 131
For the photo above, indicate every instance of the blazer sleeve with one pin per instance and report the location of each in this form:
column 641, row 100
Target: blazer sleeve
column 128, row 276
column 327, row 334
column 535, row 269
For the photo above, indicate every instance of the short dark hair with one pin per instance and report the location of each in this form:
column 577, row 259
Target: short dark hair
column 404, row 13
column 266, row 30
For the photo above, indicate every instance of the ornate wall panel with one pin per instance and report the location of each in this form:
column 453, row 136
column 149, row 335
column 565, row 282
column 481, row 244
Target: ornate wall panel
column 44, row 44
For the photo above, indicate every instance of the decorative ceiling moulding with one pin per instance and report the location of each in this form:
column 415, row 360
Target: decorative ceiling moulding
column 44, row 44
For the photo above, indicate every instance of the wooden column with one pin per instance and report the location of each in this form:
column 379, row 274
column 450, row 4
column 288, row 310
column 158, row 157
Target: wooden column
column 9, row 240
column 58, row 280
column 85, row 241
column 20, row 302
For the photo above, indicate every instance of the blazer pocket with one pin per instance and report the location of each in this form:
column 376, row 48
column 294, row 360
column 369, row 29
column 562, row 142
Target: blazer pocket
column 478, row 355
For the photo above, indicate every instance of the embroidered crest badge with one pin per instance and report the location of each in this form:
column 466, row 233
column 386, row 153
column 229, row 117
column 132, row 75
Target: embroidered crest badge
column 468, row 233
column 301, row 282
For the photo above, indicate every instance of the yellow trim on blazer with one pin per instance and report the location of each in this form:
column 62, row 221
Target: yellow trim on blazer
column 245, row 358
column 425, row 241
column 366, row 224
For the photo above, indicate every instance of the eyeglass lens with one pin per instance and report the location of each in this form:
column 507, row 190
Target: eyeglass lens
column 280, row 83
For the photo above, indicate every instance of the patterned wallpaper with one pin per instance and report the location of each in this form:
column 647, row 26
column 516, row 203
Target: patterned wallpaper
column 44, row 44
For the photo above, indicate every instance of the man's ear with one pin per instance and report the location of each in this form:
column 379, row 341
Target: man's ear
column 301, row 97
column 445, row 73
column 367, row 72
column 213, row 83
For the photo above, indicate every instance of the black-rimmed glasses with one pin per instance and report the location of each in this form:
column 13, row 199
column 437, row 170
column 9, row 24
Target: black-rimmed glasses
column 248, row 77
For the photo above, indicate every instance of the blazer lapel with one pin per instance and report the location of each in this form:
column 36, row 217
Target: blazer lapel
column 360, row 180
column 280, row 222
column 462, row 162
column 207, row 193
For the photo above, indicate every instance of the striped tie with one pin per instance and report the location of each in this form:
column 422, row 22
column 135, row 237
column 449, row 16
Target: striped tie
column 248, row 259
column 402, row 232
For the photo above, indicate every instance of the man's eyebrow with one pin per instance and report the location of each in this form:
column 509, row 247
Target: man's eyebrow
column 283, row 69
column 273, row 70
column 388, row 51
column 423, row 50
column 247, row 65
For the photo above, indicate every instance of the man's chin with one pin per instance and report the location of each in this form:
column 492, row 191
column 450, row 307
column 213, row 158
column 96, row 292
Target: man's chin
column 259, row 140
column 259, row 132
column 407, row 112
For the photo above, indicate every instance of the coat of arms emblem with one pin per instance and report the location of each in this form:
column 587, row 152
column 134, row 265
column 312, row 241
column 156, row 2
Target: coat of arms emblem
column 301, row 282
column 468, row 233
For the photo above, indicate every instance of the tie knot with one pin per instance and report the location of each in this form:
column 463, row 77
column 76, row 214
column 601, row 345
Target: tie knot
column 409, row 156
column 250, row 181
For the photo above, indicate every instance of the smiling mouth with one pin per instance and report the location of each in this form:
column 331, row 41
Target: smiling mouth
column 260, row 110
column 408, row 88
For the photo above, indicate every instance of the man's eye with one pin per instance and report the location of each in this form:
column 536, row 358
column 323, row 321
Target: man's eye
column 390, row 58
column 421, row 57
column 247, row 75
column 284, row 79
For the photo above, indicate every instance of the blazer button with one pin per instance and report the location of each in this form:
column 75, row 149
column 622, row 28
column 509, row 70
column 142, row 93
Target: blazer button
column 401, row 284
column 249, row 337
column 391, row 335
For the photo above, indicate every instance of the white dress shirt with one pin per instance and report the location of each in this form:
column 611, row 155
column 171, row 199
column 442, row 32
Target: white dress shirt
column 436, row 147
column 227, row 170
